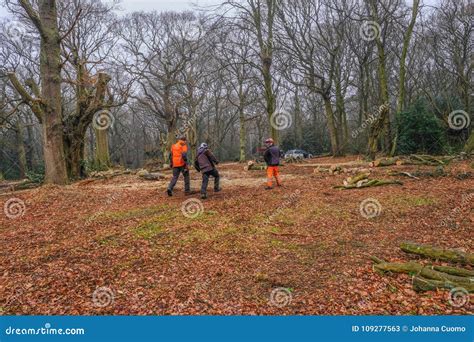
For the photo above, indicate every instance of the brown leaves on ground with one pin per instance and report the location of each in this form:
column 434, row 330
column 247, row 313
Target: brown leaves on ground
column 126, row 236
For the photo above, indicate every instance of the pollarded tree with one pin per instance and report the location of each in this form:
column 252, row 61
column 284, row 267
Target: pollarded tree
column 86, row 50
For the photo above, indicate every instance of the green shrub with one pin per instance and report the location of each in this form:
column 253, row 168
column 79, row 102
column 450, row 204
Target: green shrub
column 37, row 175
column 420, row 131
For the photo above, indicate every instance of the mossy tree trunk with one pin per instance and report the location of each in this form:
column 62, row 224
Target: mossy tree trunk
column 47, row 102
column 102, row 156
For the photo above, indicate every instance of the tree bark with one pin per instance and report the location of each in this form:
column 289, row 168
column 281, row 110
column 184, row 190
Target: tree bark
column 50, row 68
column 102, row 156
column 406, row 44
column 383, row 80
column 22, row 164
column 242, row 136
column 438, row 253
column 335, row 150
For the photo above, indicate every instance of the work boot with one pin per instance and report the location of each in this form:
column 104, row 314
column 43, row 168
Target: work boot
column 203, row 196
column 217, row 190
column 169, row 192
column 268, row 188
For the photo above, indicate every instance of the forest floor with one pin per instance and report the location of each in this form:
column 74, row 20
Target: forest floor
column 121, row 246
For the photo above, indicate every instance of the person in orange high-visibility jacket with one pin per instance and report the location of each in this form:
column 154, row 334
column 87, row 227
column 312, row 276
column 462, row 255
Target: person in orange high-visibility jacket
column 179, row 163
column 272, row 157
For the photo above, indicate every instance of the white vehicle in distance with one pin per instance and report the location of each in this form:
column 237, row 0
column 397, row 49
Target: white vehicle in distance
column 297, row 154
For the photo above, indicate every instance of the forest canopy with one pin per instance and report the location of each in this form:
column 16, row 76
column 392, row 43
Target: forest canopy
column 95, row 87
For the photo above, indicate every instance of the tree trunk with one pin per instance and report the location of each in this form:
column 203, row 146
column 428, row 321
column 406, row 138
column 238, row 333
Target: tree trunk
column 469, row 147
column 102, row 155
column 242, row 138
column 74, row 149
column 50, row 69
column 406, row 44
column 335, row 151
column 383, row 80
column 269, row 96
column 298, row 121
column 22, row 165
column 341, row 113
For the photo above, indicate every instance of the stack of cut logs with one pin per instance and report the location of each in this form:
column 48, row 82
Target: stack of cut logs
column 413, row 160
column 432, row 277
column 362, row 180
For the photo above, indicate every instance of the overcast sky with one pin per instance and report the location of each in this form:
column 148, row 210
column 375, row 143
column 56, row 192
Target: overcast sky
column 163, row 5
column 158, row 5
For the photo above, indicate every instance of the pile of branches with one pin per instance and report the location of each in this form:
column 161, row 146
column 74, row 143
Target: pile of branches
column 362, row 180
column 432, row 277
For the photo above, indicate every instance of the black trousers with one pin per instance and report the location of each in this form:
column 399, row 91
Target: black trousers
column 205, row 180
column 176, row 172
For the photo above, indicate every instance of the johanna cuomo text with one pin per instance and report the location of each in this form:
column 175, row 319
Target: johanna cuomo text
column 443, row 328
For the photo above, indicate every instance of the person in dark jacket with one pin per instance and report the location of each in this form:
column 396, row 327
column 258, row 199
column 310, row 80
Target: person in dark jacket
column 206, row 163
column 272, row 157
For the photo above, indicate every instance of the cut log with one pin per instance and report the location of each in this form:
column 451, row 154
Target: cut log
column 415, row 268
column 252, row 166
column 154, row 176
column 352, row 164
column 424, row 284
column 424, row 158
column 356, row 178
column 461, row 272
column 371, row 183
column 109, row 173
column 438, row 253
column 384, row 162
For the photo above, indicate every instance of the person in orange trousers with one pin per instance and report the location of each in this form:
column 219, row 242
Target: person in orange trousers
column 272, row 157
